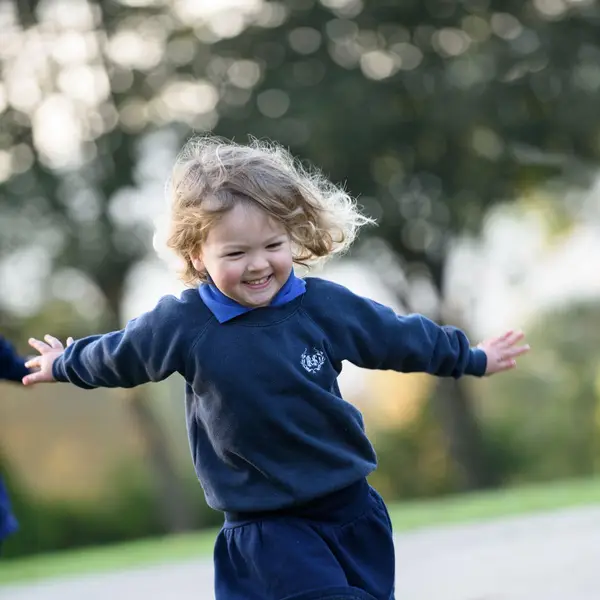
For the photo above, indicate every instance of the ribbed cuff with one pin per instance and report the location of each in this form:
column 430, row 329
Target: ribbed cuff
column 58, row 369
column 477, row 363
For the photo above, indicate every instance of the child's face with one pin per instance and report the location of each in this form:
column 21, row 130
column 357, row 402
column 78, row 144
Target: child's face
column 248, row 255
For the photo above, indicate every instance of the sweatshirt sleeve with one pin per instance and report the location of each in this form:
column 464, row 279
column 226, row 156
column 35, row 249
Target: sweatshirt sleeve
column 12, row 366
column 150, row 348
column 373, row 336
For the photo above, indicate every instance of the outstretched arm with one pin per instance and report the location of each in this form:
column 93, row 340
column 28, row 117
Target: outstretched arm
column 373, row 336
column 421, row 345
column 150, row 348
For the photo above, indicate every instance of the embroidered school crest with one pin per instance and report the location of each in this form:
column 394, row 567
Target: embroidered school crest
column 313, row 362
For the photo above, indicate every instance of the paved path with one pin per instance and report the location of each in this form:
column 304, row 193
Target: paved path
column 555, row 556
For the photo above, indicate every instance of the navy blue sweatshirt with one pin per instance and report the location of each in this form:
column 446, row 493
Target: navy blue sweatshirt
column 266, row 422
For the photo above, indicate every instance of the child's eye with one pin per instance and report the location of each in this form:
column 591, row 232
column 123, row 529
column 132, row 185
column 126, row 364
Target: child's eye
column 274, row 245
column 234, row 254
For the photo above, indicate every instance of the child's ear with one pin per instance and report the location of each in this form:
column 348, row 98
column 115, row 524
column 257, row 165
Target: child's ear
column 198, row 263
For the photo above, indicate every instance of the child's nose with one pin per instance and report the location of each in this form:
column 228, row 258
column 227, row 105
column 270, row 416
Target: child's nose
column 258, row 263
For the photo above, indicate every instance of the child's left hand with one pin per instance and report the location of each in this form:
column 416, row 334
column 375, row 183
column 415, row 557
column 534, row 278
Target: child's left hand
column 49, row 352
column 502, row 351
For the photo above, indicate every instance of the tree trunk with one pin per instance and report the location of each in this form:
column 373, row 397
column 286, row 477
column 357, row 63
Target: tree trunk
column 454, row 406
column 172, row 502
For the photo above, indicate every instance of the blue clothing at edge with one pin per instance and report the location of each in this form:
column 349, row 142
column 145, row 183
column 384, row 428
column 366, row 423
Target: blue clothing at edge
column 8, row 522
column 12, row 368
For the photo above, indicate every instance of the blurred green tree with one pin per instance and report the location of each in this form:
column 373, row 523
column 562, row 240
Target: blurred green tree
column 555, row 424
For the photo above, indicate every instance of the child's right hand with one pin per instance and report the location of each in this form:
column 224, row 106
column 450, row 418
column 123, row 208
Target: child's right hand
column 49, row 352
column 502, row 351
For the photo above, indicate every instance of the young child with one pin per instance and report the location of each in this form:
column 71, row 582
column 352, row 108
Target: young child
column 274, row 445
column 12, row 368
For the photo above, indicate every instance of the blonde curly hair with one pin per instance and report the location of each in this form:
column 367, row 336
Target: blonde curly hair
column 211, row 175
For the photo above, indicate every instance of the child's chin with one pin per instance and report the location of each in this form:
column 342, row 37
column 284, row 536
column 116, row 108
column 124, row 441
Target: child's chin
column 260, row 303
column 258, row 300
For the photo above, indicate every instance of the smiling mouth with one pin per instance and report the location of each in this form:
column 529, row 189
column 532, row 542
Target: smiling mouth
column 259, row 284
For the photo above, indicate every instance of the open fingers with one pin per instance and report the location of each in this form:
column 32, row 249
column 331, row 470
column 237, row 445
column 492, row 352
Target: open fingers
column 34, row 363
column 53, row 342
column 517, row 351
column 40, row 346
column 507, row 355
column 507, row 358
column 506, row 365
column 512, row 337
column 32, row 378
column 505, row 336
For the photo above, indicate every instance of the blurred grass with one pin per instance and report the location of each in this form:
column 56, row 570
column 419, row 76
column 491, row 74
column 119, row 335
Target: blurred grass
column 108, row 558
column 479, row 506
column 405, row 516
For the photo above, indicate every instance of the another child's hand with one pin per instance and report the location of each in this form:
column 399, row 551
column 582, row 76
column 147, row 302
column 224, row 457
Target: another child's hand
column 42, row 364
column 502, row 351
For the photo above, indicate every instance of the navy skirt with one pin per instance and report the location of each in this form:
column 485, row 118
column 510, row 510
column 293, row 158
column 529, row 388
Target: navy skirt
column 339, row 547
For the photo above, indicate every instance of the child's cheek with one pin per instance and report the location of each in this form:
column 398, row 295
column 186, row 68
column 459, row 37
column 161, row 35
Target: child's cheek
column 232, row 275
